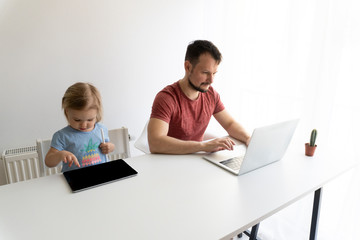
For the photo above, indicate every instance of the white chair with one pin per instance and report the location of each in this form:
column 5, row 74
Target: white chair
column 42, row 147
column 120, row 138
column 142, row 142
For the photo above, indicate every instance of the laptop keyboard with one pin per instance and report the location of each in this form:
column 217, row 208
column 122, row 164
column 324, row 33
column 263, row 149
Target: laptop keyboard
column 233, row 163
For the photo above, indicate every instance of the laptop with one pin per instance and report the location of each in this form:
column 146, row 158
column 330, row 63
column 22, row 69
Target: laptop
column 267, row 145
column 96, row 175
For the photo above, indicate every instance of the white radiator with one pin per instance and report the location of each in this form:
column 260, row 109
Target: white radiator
column 21, row 164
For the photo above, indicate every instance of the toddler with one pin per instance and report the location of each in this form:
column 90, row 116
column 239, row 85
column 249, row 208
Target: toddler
column 81, row 143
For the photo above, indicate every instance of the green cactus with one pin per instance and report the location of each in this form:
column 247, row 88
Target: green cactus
column 313, row 137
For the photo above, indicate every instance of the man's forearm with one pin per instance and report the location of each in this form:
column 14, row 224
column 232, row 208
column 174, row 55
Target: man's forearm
column 238, row 132
column 169, row 145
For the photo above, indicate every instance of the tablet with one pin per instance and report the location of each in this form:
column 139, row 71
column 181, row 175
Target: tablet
column 96, row 175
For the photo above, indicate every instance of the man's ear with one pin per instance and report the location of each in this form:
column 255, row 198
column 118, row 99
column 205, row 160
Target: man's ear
column 187, row 66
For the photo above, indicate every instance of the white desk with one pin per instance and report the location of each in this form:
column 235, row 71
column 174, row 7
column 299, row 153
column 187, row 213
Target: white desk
column 173, row 197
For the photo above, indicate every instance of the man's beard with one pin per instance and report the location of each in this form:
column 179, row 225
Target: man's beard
column 197, row 88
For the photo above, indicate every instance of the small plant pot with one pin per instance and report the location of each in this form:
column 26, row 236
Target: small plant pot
column 309, row 150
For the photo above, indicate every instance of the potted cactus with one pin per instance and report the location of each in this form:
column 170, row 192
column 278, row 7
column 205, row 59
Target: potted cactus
column 311, row 146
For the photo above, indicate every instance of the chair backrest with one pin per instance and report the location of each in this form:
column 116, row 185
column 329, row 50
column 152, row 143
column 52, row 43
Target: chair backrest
column 120, row 138
column 142, row 142
column 42, row 147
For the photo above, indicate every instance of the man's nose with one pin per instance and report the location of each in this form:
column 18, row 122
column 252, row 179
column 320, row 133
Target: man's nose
column 211, row 78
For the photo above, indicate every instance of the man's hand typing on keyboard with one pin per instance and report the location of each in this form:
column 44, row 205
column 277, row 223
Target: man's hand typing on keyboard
column 218, row 144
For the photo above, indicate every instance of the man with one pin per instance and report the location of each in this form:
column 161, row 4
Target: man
column 181, row 112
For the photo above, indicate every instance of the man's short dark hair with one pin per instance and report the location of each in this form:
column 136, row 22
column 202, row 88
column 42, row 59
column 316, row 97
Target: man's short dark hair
column 199, row 47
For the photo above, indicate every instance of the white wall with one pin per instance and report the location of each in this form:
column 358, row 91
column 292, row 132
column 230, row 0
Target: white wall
column 128, row 49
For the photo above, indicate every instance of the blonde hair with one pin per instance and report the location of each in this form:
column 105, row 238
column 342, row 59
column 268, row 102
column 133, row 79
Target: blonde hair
column 80, row 96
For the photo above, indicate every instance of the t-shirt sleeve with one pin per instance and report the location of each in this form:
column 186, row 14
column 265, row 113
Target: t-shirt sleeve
column 163, row 106
column 57, row 141
column 219, row 106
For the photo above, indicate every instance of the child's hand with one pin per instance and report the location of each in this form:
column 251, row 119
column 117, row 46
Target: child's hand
column 107, row 147
column 69, row 158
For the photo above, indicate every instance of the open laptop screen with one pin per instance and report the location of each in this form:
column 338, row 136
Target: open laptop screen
column 84, row 178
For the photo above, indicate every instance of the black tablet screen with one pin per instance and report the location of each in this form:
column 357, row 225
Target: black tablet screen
column 87, row 177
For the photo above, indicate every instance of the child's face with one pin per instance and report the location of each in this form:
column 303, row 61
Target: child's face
column 82, row 120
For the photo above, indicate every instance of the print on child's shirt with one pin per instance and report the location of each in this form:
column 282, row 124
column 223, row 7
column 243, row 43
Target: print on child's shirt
column 90, row 154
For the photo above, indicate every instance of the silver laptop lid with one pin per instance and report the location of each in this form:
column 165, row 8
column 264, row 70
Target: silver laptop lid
column 268, row 144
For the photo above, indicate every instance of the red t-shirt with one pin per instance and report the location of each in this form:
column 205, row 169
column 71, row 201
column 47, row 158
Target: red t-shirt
column 187, row 119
